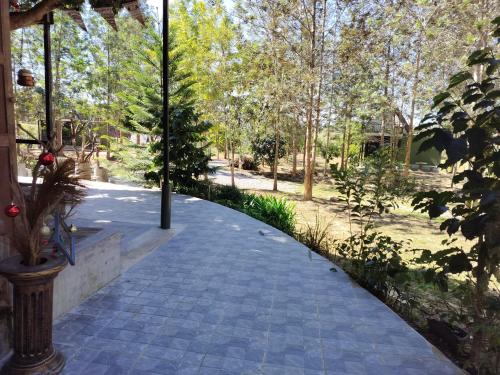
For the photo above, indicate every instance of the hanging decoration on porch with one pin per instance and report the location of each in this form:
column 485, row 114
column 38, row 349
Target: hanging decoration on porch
column 46, row 158
column 45, row 231
column 12, row 210
column 14, row 5
column 133, row 8
column 74, row 13
column 107, row 11
column 25, row 78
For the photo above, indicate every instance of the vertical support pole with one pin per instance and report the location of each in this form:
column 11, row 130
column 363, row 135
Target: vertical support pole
column 47, row 54
column 8, row 173
column 165, row 191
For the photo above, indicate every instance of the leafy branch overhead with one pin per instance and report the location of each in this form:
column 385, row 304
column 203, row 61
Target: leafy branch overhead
column 465, row 124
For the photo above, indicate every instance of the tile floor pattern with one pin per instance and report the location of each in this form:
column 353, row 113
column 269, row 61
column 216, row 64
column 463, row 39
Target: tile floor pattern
column 230, row 295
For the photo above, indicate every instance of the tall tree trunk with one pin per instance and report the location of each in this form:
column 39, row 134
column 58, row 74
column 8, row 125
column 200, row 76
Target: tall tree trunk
column 294, row 150
column 409, row 140
column 327, row 161
column 217, row 144
column 304, row 151
column 348, row 143
column 231, row 145
column 320, row 86
column 308, row 172
column 342, row 151
column 226, row 148
column 276, row 159
column 386, row 91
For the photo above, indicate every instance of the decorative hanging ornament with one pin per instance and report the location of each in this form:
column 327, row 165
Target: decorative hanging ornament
column 45, row 230
column 25, row 78
column 12, row 210
column 15, row 5
column 46, row 158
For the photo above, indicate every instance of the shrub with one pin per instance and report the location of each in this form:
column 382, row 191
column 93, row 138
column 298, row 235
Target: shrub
column 465, row 123
column 227, row 195
column 277, row 212
column 375, row 261
column 315, row 236
column 371, row 258
column 249, row 164
column 264, row 149
column 198, row 189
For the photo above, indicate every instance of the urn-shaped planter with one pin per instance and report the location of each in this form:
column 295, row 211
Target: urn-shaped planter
column 34, row 352
column 25, row 78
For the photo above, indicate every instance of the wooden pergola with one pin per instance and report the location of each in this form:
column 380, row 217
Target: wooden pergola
column 8, row 154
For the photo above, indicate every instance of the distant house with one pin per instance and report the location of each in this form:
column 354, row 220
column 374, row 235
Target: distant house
column 395, row 132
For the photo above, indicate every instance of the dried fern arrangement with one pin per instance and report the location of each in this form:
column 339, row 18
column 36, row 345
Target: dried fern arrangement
column 58, row 186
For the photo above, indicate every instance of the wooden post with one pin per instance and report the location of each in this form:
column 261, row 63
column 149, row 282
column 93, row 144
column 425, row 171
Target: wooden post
column 8, row 167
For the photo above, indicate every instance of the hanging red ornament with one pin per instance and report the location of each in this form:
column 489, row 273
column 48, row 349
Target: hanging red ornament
column 12, row 210
column 46, row 158
column 15, row 4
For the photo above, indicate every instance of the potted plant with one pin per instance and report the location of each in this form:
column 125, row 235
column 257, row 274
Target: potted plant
column 33, row 271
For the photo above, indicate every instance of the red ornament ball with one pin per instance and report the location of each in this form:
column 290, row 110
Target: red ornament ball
column 46, row 158
column 12, row 210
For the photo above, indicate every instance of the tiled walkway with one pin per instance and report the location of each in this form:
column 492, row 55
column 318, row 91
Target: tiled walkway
column 230, row 295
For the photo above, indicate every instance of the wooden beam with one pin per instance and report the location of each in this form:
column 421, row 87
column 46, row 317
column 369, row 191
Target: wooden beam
column 8, row 164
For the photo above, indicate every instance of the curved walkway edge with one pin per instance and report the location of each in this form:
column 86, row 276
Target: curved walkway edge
column 230, row 295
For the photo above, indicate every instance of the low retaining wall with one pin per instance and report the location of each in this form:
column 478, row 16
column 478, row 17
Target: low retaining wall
column 97, row 264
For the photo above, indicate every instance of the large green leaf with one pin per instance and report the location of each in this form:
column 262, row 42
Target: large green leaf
column 440, row 97
column 480, row 56
column 459, row 263
column 493, row 94
column 459, row 78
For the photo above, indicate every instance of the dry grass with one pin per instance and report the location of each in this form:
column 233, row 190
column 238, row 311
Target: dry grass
column 401, row 224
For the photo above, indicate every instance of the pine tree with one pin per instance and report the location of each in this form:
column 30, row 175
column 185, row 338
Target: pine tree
column 144, row 112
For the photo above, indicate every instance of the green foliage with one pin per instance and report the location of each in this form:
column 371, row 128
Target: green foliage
column 249, row 164
column 330, row 151
column 465, row 124
column 316, row 236
column 371, row 189
column 143, row 113
column 371, row 258
column 228, row 196
column 277, row 212
column 375, row 261
column 264, row 149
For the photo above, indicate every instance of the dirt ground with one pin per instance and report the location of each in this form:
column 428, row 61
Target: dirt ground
column 401, row 224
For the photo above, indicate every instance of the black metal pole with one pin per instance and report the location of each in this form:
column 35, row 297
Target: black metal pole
column 165, row 191
column 47, row 54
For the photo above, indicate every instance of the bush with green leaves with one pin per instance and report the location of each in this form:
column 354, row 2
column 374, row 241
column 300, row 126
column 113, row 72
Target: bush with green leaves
column 465, row 124
column 249, row 164
column 277, row 212
column 264, row 149
column 316, row 236
column 227, row 195
column 375, row 260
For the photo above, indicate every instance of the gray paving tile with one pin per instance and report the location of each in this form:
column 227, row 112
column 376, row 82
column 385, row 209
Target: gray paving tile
column 220, row 300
